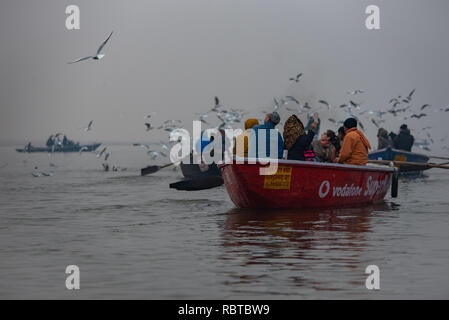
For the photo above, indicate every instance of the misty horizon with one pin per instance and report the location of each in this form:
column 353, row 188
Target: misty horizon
column 172, row 58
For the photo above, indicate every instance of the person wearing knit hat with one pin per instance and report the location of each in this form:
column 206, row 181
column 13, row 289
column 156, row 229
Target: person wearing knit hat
column 350, row 123
column 251, row 123
column 271, row 120
column 355, row 145
column 241, row 141
column 274, row 117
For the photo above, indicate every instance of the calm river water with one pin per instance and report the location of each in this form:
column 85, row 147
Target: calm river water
column 133, row 237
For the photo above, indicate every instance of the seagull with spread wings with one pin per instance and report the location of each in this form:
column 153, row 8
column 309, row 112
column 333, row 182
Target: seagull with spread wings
column 98, row 55
column 296, row 79
column 89, row 126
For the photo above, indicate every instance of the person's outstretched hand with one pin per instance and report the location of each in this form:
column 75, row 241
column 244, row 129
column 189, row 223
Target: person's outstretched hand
column 315, row 122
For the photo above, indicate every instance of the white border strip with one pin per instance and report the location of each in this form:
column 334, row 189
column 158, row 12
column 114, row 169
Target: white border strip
column 313, row 164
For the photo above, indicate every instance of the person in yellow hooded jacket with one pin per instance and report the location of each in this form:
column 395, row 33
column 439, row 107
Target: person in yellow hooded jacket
column 242, row 140
column 355, row 145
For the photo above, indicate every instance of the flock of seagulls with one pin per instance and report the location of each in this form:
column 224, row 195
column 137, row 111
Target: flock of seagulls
column 227, row 117
column 401, row 108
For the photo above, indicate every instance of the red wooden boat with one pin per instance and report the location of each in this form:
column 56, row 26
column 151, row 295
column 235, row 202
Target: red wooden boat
column 301, row 184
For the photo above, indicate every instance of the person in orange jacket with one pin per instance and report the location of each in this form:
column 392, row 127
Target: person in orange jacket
column 355, row 145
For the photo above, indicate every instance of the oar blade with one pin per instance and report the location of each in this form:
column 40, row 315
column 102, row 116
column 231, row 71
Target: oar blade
column 149, row 170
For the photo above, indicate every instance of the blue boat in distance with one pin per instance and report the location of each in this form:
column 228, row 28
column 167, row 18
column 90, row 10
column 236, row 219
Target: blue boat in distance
column 70, row 148
column 401, row 155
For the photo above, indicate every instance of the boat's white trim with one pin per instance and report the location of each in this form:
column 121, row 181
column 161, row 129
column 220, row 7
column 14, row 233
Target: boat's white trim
column 399, row 151
column 239, row 160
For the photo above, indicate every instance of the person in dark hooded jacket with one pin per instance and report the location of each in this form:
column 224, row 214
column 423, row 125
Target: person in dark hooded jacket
column 404, row 140
column 384, row 140
column 296, row 140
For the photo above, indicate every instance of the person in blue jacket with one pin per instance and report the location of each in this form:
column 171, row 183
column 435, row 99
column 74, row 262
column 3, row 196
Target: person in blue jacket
column 270, row 122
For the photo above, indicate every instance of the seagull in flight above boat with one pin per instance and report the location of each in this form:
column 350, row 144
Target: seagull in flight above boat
column 99, row 154
column 276, row 104
column 141, row 145
column 296, row 79
column 352, row 93
column 89, row 126
column 83, row 149
column 202, row 117
column 98, row 55
column 327, row 104
column 289, row 98
column 150, row 115
column 354, row 104
column 409, row 97
column 418, row 116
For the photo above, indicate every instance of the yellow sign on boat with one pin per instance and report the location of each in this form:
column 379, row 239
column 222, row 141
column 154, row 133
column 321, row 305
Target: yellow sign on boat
column 280, row 180
column 400, row 157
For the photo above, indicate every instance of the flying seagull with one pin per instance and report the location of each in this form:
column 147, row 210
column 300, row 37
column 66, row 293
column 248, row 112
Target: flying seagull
column 418, row 116
column 99, row 154
column 276, row 104
column 98, row 55
column 83, row 149
column 141, row 145
column 290, row 98
column 296, row 79
column 354, row 104
column 89, row 126
column 357, row 91
column 409, row 97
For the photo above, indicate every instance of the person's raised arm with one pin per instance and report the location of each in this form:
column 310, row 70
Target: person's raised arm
column 315, row 122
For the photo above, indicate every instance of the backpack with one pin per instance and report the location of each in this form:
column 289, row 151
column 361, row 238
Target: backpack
column 309, row 155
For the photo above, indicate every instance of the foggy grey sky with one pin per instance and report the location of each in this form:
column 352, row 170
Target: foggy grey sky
column 173, row 57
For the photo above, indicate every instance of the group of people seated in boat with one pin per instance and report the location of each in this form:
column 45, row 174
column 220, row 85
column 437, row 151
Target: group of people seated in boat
column 54, row 140
column 348, row 146
column 402, row 141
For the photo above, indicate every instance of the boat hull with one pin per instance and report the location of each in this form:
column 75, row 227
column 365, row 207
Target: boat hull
column 300, row 184
column 76, row 148
column 391, row 154
column 193, row 171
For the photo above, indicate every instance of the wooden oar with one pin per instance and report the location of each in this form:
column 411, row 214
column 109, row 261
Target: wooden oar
column 418, row 164
column 153, row 169
column 438, row 157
